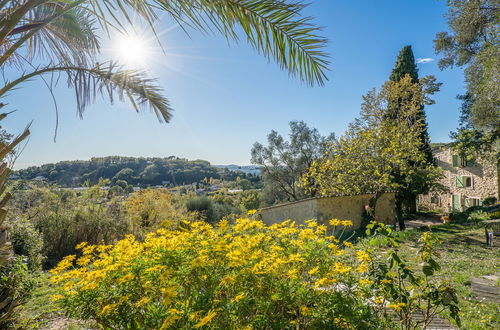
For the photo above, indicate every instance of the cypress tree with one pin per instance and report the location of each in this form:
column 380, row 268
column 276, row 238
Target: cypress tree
column 405, row 65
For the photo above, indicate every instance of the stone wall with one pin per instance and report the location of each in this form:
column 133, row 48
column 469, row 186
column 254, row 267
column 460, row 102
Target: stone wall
column 484, row 175
column 298, row 211
column 325, row 208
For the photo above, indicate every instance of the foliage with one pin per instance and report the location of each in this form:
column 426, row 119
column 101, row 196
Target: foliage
column 16, row 283
column 65, row 219
column 242, row 275
column 150, row 209
column 212, row 210
column 142, row 171
column 249, row 200
column 475, row 214
column 229, row 276
column 376, row 154
column 63, row 37
column 474, row 44
column 405, row 65
column 406, row 291
column 284, row 162
column 27, row 242
column 470, row 142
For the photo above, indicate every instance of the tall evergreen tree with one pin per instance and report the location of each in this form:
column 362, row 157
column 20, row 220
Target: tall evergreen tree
column 405, row 65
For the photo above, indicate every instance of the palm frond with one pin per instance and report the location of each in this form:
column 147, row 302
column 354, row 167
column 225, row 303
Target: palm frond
column 61, row 32
column 108, row 79
column 275, row 28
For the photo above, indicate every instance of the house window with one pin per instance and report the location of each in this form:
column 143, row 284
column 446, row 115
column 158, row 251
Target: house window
column 463, row 181
column 463, row 162
column 470, row 201
column 458, row 161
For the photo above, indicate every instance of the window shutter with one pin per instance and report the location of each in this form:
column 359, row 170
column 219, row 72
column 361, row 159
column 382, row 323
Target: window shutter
column 455, row 160
column 459, row 181
column 467, row 202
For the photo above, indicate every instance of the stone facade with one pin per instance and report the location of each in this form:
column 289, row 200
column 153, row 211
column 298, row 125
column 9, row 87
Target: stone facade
column 468, row 182
column 323, row 209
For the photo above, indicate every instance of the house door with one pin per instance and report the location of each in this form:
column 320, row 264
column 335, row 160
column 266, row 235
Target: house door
column 455, row 202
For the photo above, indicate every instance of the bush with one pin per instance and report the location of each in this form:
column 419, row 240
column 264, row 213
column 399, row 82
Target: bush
column 204, row 206
column 27, row 242
column 232, row 276
column 150, row 209
column 16, row 284
column 489, row 201
column 64, row 219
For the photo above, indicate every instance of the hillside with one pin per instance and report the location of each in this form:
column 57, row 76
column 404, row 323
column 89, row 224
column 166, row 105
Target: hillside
column 136, row 171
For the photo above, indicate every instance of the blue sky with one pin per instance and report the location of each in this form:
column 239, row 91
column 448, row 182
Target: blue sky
column 226, row 97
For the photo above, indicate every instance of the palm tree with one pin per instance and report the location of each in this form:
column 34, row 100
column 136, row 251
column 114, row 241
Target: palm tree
column 61, row 34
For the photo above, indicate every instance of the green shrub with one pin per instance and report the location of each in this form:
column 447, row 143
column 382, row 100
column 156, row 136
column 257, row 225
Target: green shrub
column 489, row 201
column 64, row 219
column 17, row 282
column 495, row 215
column 27, row 242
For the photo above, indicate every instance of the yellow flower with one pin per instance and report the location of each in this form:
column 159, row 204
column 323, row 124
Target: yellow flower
column 365, row 281
column 81, row 245
column 313, row 271
column 238, row 297
column 346, row 223
column 143, row 301
column 362, row 268
column 56, row 297
column 363, row 256
column 204, row 321
column 173, row 315
column 340, row 268
column 106, row 309
column 251, row 212
column 335, row 222
column 304, row 310
column 349, row 244
column 396, row 307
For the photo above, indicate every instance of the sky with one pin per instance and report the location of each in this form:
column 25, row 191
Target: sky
column 226, row 96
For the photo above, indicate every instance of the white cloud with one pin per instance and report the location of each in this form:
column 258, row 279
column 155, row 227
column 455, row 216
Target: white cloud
column 424, row 60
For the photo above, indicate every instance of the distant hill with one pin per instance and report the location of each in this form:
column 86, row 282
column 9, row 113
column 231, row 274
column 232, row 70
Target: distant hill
column 248, row 169
column 136, row 171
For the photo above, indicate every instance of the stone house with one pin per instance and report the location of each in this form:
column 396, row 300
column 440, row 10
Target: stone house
column 468, row 182
column 322, row 209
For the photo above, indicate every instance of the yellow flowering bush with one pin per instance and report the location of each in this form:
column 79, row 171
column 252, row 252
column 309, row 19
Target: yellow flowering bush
column 241, row 275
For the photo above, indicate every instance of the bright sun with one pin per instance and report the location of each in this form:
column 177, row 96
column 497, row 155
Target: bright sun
column 132, row 51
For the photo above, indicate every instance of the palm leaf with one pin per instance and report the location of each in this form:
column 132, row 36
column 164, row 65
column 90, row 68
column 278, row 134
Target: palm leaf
column 108, row 79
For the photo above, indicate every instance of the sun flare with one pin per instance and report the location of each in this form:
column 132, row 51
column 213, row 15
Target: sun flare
column 133, row 51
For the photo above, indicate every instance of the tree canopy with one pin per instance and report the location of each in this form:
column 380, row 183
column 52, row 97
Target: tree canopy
column 284, row 162
column 474, row 43
column 376, row 155
column 136, row 171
